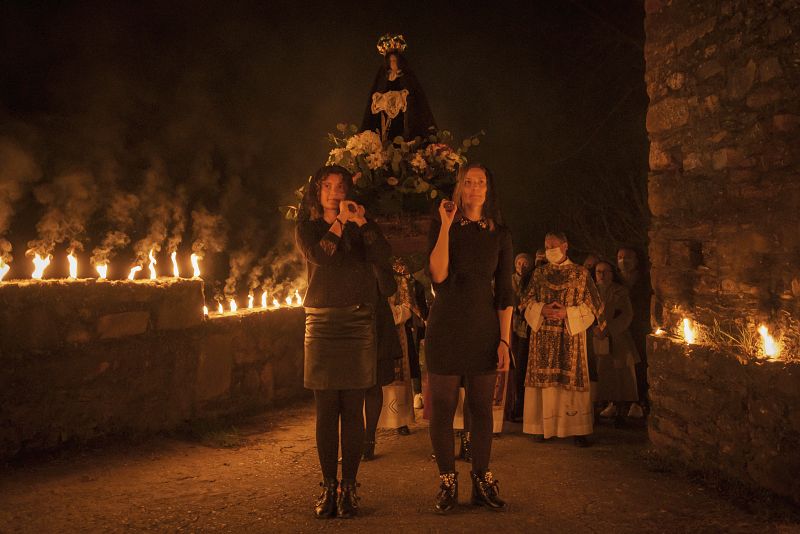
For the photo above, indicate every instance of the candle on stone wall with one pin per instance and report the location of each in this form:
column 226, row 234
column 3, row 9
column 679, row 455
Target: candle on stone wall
column 233, row 306
column 205, row 311
column 276, row 303
column 771, row 349
column 102, row 270
column 73, row 266
column 4, row 268
column 264, row 299
column 152, row 265
column 220, row 308
column 250, row 301
column 132, row 274
column 39, row 265
column 195, row 266
column 175, row 271
column 689, row 333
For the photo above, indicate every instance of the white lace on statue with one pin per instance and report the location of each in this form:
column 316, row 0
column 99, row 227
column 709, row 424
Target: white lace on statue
column 390, row 102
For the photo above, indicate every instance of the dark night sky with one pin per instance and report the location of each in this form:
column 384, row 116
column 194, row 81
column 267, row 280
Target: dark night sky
column 250, row 90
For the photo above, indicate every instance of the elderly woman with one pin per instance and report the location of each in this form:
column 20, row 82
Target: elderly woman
column 341, row 248
column 613, row 345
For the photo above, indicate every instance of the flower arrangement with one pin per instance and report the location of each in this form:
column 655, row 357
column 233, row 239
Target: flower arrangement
column 397, row 176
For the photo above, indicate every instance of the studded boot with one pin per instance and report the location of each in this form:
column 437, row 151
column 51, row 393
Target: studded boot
column 485, row 491
column 347, row 506
column 447, row 498
column 325, row 507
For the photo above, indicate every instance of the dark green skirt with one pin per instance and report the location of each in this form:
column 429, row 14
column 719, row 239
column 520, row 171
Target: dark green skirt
column 340, row 348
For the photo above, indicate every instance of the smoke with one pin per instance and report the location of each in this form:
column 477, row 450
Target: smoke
column 178, row 214
column 120, row 215
column 210, row 232
column 69, row 202
column 280, row 272
column 240, row 261
column 17, row 171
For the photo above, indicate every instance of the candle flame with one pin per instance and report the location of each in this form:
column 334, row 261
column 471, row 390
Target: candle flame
column 40, row 264
column 152, row 265
column 276, row 303
column 175, row 271
column 289, row 300
column 263, row 299
column 195, row 266
column 297, row 298
column 689, row 334
column 250, row 301
column 136, row 269
column 660, row 331
column 73, row 266
column 233, row 305
column 220, row 309
column 4, row 268
column 205, row 311
column 771, row 349
column 102, row 270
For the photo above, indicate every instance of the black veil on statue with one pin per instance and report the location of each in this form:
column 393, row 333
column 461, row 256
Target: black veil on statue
column 387, row 96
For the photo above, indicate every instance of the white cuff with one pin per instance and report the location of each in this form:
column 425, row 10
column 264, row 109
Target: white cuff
column 579, row 318
column 533, row 315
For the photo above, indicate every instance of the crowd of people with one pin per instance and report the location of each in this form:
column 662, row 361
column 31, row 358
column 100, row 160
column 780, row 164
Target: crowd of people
column 535, row 339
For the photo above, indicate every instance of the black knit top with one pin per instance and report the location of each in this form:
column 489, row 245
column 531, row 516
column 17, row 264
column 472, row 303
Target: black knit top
column 340, row 269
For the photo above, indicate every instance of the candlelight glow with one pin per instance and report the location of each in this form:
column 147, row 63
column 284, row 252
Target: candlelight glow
column 250, row 301
column 132, row 275
column 73, row 265
column 233, row 305
column 205, row 311
column 660, row 332
column 39, row 264
column 276, row 303
column 195, row 266
column 220, row 309
column 175, row 272
column 297, row 299
column 771, row 349
column 4, row 268
column 152, row 265
column 263, row 298
column 689, row 333
column 289, row 300
column 102, row 270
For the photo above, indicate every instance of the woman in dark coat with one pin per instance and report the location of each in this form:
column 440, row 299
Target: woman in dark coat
column 469, row 327
column 341, row 248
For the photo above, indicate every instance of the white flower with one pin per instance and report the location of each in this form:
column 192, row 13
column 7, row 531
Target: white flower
column 335, row 156
column 376, row 160
column 368, row 142
column 418, row 162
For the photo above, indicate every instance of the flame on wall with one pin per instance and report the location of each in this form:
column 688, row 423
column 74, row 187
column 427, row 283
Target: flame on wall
column 195, row 266
column 73, row 266
column 175, row 271
column 39, row 265
column 771, row 347
column 689, row 332
column 132, row 274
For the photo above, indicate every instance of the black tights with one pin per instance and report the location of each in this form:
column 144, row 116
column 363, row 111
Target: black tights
column 373, row 403
column 332, row 404
column 478, row 402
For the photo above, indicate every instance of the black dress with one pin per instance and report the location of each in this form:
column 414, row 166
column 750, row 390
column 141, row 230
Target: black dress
column 463, row 328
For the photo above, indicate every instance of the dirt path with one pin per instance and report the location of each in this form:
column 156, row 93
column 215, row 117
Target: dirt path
column 269, row 481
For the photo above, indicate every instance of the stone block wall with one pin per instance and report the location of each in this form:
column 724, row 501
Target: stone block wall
column 723, row 79
column 85, row 359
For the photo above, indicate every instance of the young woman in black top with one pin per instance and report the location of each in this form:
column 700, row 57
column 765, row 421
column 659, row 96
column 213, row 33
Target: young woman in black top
column 469, row 327
column 340, row 248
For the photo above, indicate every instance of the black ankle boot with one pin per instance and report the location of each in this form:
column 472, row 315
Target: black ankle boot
column 368, row 451
column 447, row 498
column 347, row 506
column 465, row 450
column 325, row 507
column 485, row 491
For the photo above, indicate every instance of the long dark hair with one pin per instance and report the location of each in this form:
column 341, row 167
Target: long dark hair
column 310, row 207
column 490, row 210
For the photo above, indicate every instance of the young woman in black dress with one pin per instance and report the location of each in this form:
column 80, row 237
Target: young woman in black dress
column 469, row 327
column 340, row 248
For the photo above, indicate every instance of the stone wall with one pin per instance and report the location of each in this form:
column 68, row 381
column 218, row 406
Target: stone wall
column 723, row 79
column 85, row 359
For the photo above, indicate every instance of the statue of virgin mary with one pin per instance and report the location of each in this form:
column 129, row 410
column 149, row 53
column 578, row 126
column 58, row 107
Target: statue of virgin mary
column 397, row 105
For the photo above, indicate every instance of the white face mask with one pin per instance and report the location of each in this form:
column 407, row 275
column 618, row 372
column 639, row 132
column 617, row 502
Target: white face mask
column 554, row 255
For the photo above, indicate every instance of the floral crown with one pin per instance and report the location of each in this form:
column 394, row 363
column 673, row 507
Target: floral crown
column 389, row 42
